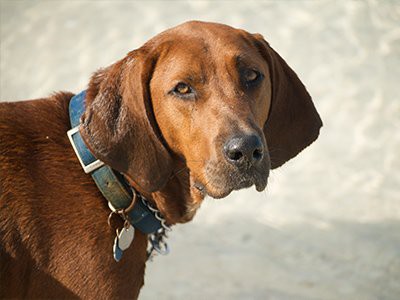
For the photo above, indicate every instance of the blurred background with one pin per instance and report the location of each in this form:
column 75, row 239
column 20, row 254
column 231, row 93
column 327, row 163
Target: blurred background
column 328, row 226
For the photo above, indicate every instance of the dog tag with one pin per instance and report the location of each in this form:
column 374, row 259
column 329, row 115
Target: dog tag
column 117, row 251
column 125, row 237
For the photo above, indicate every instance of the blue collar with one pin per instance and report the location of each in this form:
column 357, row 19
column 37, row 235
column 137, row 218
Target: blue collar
column 111, row 183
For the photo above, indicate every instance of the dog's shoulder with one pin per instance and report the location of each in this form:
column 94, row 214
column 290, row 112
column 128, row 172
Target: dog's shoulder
column 33, row 138
column 26, row 125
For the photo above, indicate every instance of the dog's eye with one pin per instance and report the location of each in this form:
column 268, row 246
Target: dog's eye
column 182, row 89
column 251, row 76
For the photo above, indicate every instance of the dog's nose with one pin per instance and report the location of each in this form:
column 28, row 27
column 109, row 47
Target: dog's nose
column 244, row 150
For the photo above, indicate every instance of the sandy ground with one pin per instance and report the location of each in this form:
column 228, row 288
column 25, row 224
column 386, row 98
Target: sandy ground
column 328, row 227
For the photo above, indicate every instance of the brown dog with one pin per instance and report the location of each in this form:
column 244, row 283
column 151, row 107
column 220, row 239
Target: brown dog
column 201, row 109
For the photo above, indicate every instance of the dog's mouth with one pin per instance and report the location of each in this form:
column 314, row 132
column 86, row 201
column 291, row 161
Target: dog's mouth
column 201, row 188
column 221, row 185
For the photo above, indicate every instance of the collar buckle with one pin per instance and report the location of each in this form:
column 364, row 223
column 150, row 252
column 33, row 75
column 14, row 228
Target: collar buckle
column 87, row 168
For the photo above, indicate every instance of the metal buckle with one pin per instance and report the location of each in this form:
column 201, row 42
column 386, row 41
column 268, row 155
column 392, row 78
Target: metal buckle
column 86, row 168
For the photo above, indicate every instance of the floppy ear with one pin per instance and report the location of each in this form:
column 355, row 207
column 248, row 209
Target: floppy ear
column 119, row 125
column 293, row 122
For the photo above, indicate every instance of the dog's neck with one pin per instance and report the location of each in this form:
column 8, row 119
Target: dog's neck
column 177, row 201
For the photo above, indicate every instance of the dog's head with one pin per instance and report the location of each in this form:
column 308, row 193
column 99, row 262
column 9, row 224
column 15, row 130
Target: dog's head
column 218, row 99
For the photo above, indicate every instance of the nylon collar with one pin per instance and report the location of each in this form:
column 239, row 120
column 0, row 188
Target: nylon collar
column 111, row 183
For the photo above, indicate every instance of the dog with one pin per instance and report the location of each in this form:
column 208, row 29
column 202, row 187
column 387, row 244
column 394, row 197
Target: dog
column 200, row 109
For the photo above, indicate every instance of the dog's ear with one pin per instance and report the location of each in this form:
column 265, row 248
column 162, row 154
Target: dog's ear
column 293, row 122
column 119, row 126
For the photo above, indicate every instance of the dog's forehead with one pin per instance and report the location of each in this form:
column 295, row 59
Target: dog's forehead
column 206, row 29
column 199, row 48
column 200, row 38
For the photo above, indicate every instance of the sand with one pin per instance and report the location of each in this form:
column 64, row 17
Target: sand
column 328, row 226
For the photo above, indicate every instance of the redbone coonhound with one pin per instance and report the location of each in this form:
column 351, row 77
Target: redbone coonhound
column 200, row 109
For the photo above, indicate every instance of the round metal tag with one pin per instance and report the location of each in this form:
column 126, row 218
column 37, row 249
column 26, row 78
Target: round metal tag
column 125, row 237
